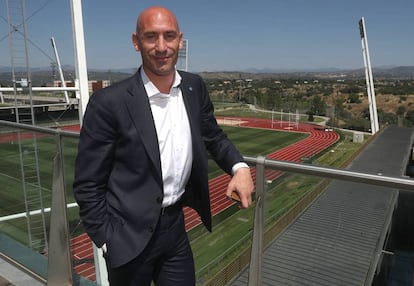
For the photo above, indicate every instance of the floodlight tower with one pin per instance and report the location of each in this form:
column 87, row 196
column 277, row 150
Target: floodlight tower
column 369, row 80
column 182, row 63
column 62, row 79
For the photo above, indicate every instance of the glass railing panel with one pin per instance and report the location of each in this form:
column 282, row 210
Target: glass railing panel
column 26, row 168
column 326, row 232
column 26, row 177
column 81, row 246
column 286, row 195
column 81, row 249
column 220, row 254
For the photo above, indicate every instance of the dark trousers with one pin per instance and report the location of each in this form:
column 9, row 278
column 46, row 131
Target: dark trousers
column 167, row 260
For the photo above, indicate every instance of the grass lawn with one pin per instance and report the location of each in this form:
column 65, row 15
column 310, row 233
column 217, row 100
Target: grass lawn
column 11, row 193
column 255, row 142
column 245, row 111
column 249, row 141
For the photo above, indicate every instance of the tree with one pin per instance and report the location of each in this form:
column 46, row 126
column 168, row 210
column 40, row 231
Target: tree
column 317, row 106
column 354, row 98
column 310, row 116
column 339, row 106
column 410, row 117
column 401, row 110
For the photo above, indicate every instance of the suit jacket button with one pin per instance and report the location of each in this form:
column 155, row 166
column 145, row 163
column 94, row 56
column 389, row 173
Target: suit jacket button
column 159, row 200
column 151, row 230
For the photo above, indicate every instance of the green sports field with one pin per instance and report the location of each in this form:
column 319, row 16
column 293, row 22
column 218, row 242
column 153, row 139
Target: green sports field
column 232, row 229
column 251, row 142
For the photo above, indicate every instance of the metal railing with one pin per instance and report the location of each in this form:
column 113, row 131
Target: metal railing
column 59, row 270
column 59, row 258
column 333, row 173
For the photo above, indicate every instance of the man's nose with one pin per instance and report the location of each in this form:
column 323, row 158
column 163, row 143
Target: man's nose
column 161, row 44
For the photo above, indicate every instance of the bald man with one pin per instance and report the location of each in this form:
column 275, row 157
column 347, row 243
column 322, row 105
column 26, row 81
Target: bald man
column 143, row 156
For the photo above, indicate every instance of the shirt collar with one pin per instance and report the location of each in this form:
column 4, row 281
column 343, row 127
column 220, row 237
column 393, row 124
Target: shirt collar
column 151, row 89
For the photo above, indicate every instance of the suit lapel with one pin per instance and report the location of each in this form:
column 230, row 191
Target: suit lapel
column 188, row 97
column 191, row 102
column 140, row 112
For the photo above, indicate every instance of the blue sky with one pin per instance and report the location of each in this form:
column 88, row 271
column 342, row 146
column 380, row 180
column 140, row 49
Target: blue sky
column 230, row 34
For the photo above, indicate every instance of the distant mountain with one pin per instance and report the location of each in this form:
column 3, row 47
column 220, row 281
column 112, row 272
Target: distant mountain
column 388, row 71
column 44, row 75
column 269, row 70
column 398, row 72
column 402, row 72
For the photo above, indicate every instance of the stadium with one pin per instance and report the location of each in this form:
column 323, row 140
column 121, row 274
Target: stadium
column 331, row 206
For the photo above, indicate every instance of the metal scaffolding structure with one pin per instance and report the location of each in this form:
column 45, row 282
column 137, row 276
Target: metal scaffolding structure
column 24, row 113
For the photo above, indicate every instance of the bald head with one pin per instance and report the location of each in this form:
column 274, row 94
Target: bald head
column 156, row 14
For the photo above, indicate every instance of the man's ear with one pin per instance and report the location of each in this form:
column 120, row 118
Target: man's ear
column 135, row 42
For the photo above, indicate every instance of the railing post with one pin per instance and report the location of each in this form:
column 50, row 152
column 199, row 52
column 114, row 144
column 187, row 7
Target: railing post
column 59, row 270
column 255, row 270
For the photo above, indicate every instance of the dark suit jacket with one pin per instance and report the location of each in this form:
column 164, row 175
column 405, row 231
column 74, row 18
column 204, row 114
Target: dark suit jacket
column 118, row 183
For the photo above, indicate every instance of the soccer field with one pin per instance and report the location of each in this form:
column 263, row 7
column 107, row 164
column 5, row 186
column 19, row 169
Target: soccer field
column 249, row 141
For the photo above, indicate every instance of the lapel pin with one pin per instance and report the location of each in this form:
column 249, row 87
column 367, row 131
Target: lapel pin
column 190, row 88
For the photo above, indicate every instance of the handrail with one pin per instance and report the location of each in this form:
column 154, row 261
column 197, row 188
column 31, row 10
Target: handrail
column 49, row 89
column 259, row 162
column 35, row 128
column 338, row 174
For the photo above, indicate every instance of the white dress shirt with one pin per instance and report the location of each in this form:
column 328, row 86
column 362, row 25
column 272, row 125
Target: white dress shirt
column 174, row 137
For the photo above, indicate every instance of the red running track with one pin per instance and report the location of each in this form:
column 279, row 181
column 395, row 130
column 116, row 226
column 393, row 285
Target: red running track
column 318, row 139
